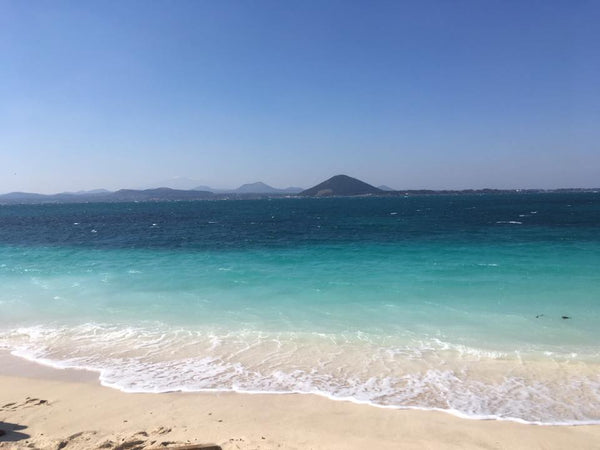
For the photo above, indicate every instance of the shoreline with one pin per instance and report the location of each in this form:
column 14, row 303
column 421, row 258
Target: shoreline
column 44, row 368
column 53, row 406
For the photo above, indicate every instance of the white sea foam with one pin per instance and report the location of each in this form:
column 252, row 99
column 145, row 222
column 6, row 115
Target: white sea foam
column 511, row 222
column 359, row 367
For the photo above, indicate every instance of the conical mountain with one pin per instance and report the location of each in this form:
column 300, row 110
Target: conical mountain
column 342, row 185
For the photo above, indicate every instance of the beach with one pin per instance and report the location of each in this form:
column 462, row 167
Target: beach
column 47, row 408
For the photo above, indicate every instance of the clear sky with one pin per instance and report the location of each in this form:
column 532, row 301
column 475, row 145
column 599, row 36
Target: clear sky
column 422, row 94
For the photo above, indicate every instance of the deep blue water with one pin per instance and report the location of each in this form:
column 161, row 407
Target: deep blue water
column 278, row 223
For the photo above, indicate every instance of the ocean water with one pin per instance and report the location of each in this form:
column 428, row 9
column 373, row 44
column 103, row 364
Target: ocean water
column 437, row 302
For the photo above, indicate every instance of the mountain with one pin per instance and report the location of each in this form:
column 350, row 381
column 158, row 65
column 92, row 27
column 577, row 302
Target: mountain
column 292, row 190
column 262, row 188
column 90, row 192
column 341, row 185
column 204, row 188
column 16, row 197
column 383, row 187
column 179, row 183
column 160, row 194
column 123, row 195
column 182, row 183
column 256, row 188
column 251, row 188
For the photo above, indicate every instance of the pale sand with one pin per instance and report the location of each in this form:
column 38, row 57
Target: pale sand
column 55, row 408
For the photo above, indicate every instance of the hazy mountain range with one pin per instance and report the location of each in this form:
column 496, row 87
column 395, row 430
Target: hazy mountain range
column 336, row 186
column 258, row 187
column 187, row 189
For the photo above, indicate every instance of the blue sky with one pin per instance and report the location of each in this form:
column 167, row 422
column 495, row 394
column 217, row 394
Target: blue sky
column 440, row 94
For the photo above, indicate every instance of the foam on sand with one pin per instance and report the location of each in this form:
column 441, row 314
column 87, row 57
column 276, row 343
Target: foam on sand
column 361, row 368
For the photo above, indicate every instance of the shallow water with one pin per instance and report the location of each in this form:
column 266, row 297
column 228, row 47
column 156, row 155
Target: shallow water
column 449, row 302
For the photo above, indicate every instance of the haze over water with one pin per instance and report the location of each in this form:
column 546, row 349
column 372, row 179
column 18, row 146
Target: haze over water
column 450, row 302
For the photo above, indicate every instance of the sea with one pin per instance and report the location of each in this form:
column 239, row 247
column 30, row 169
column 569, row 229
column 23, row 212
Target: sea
column 486, row 306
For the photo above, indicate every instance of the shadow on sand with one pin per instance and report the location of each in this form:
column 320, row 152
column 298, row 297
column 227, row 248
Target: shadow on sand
column 9, row 432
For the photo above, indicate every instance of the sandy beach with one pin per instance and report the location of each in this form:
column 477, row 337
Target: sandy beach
column 46, row 408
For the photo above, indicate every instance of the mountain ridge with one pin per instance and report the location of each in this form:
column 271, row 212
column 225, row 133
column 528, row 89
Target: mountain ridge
column 257, row 187
column 338, row 185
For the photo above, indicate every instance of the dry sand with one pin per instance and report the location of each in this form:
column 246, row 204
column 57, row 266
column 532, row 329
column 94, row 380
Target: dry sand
column 53, row 409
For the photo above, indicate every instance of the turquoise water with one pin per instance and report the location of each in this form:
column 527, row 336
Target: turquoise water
column 445, row 302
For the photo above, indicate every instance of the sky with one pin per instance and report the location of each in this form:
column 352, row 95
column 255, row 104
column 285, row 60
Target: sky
column 411, row 94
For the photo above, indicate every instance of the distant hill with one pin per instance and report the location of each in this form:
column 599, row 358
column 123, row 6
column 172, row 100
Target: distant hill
column 90, row 192
column 256, row 188
column 341, row 185
column 132, row 195
column 383, row 187
column 262, row 188
column 123, row 195
column 251, row 189
column 22, row 196
column 179, row 183
column 204, row 188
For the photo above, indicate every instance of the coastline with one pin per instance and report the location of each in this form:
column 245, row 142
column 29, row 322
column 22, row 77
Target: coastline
column 52, row 407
